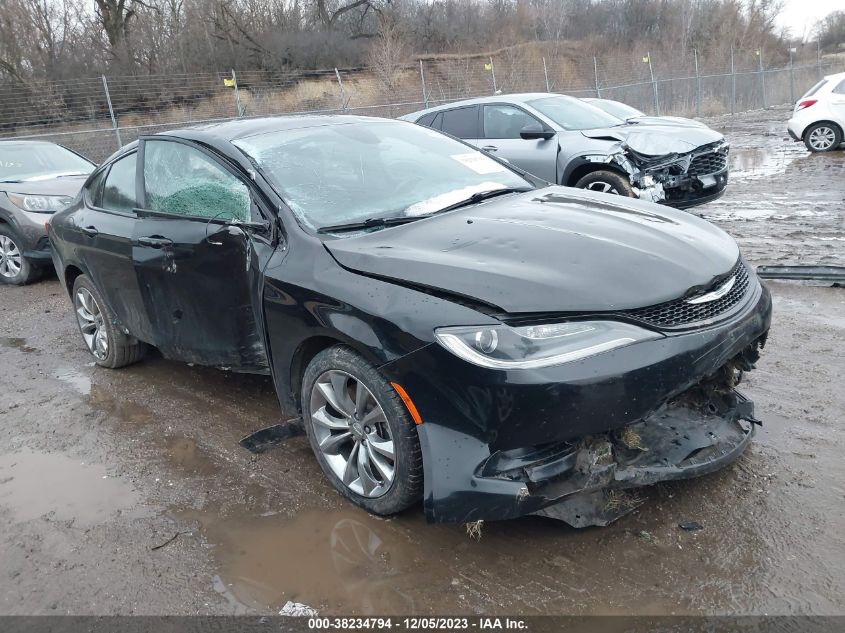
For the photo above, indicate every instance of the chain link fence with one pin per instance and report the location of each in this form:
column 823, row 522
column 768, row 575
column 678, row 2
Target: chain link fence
column 96, row 116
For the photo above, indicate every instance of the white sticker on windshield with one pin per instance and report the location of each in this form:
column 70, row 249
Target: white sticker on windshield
column 479, row 163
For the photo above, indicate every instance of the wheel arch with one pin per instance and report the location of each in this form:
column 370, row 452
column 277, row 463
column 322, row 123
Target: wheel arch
column 584, row 167
column 822, row 122
column 71, row 273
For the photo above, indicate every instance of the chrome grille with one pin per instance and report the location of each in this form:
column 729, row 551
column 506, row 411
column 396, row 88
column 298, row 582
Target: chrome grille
column 680, row 313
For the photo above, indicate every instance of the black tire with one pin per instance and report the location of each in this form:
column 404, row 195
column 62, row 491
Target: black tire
column 27, row 272
column 407, row 486
column 606, row 181
column 123, row 350
column 825, row 131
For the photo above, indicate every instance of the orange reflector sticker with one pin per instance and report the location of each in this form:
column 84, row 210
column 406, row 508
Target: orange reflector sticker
column 412, row 409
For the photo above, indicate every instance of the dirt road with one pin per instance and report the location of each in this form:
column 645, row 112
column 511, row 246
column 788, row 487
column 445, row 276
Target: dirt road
column 98, row 468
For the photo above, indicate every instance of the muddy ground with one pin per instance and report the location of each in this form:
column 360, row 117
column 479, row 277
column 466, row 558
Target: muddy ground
column 99, row 467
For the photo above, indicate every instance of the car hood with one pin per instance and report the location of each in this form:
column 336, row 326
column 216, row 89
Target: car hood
column 551, row 250
column 66, row 186
column 674, row 121
column 657, row 140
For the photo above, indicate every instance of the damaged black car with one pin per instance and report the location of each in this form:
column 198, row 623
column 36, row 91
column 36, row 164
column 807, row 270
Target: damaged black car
column 447, row 327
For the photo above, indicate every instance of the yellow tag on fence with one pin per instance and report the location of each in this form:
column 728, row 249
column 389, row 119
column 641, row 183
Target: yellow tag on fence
column 488, row 66
column 229, row 83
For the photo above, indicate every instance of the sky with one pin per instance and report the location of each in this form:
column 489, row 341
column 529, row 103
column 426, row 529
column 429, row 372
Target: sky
column 799, row 16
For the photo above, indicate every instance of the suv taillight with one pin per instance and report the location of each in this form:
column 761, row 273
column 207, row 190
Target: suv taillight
column 806, row 104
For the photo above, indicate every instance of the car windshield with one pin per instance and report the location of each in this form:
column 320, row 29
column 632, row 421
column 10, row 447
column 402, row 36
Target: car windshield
column 347, row 173
column 617, row 109
column 39, row 161
column 574, row 114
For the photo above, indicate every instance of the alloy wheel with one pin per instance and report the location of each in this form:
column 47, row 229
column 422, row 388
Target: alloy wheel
column 352, row 433
column 602, row 187
column 822, row 138
column 10, row 258
column 91, row 323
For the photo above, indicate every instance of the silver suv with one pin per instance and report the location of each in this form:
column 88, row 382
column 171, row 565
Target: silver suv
column 37, row 179
column 567, row 141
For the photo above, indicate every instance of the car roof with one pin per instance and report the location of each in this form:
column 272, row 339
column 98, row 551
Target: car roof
column 22, row 141
column 244, row 128
column 519, row 98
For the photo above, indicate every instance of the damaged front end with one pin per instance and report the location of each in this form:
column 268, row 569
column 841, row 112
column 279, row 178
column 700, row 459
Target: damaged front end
column 583, row 482
column 677, row 178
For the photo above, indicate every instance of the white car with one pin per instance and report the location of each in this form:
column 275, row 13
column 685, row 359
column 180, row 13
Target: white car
column 819, row 116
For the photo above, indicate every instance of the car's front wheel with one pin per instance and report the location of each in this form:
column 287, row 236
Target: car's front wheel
column 361, row 433
column 108, row 345
column 823, row 137
column 606, row 181
column 15, row 269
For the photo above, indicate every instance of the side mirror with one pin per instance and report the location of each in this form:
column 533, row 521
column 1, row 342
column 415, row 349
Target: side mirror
column 535, row 131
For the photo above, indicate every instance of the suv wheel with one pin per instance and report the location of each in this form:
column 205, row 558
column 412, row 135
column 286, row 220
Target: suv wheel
column 15, row 269
column 109, row 346
column 606, row 181
column 823, row 137
column 361, row 433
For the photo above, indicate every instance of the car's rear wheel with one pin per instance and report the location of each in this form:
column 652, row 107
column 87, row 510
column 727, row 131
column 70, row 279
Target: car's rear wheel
column 15, row 269
column 823, row 137
column 606, row 181
column 108, row 345
column 361, row 433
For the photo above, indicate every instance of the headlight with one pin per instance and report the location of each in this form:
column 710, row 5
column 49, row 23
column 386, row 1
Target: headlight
column 40, row 204
column 533, row 346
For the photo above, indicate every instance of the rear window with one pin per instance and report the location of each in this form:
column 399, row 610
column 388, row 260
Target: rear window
column 840, row 89
column 427, row 120
column 461, row 122
column 815, row 89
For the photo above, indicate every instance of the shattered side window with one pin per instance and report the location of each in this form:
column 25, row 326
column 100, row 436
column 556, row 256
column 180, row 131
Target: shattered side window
column 184, row 181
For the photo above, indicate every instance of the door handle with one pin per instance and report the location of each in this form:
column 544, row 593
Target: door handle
column 90, row 231
column 154, row 241
column 490, row 148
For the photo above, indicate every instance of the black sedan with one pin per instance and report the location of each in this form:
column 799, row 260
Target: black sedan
column 447, row 327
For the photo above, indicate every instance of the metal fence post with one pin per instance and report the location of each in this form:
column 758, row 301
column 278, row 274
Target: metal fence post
column 493, row 72
column 733, row 83
column 342, row 94
column 422, row 79
column 697, row 85
column 762, row 76
column 654, row 85
column 546, row 75
column 238, row 105
column 819, row 57
column 791, row 76
column 596, row 72
column 111, row 113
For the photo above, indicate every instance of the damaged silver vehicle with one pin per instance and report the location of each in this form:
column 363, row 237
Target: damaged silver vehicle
column 567, row 141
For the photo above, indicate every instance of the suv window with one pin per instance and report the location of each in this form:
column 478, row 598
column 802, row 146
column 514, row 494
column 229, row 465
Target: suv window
column 182, row 180
column 461, row 122
column 119, row 190
column 427, row 120
column 504, row 121
column 94, row 191
column 840, row 89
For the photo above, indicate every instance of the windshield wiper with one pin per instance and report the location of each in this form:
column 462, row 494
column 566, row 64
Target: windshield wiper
column 369, row 223
column 484, row 195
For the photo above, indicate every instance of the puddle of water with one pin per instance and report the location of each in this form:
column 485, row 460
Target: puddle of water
column 79, row 381
column 17, row 343
column 760, row 162
column 187, row 455
column 33, row 484
column 346, row 559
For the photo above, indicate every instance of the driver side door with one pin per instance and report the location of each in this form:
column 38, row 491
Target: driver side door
column 501, row 125
column 199, row 252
